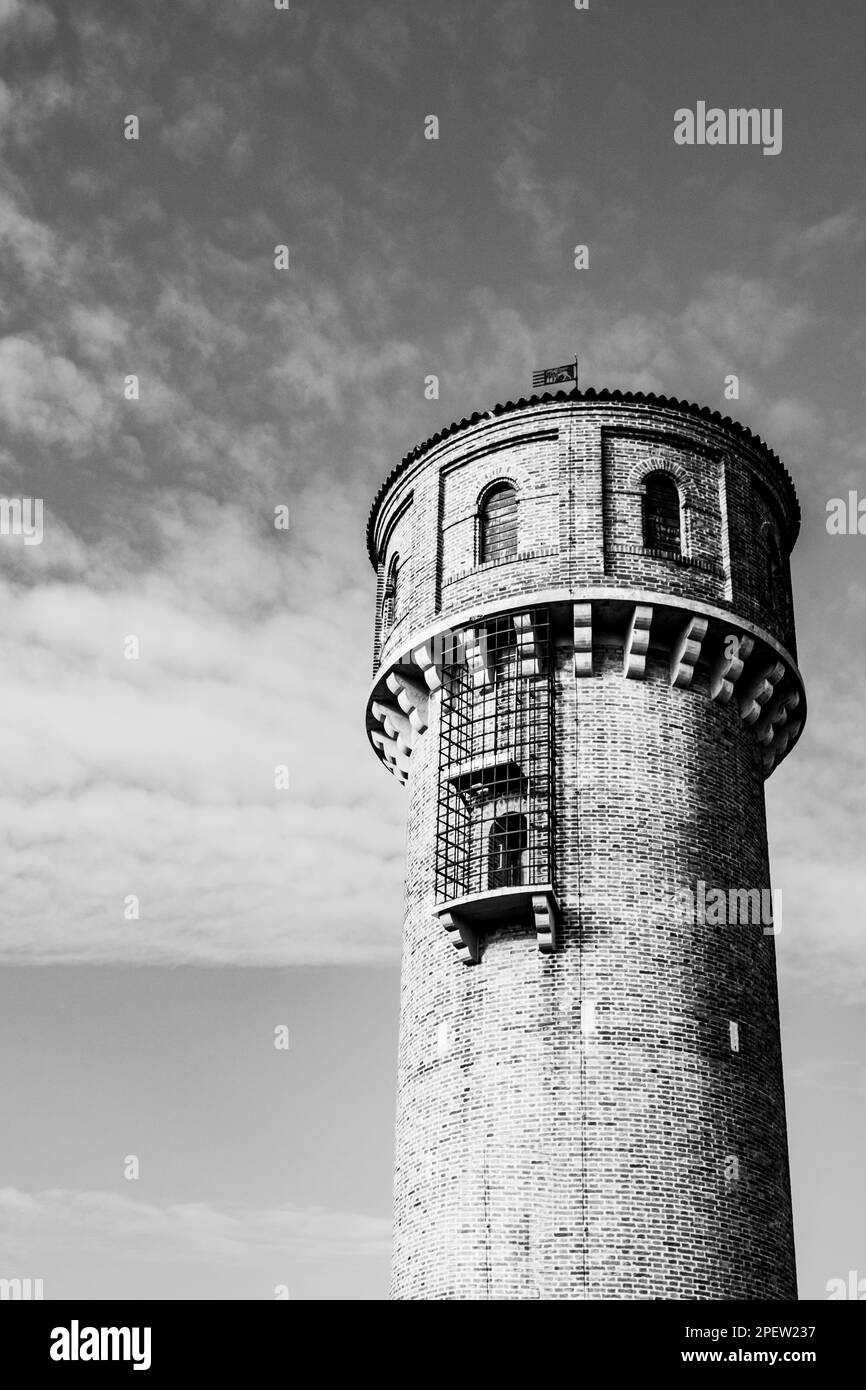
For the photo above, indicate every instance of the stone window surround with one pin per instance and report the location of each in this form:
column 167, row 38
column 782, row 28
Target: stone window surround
column 636, row 484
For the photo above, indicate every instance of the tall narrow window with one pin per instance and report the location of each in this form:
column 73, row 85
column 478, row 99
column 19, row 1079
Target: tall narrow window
column 773, row 573
column 661, row 514
column 389, row 598
column 506, row 845
column 498, row 519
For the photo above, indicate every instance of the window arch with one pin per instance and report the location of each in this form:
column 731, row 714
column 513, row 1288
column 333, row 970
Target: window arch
column 506, row 845
column 497, row 515
column 389, row 598
column 661, row 514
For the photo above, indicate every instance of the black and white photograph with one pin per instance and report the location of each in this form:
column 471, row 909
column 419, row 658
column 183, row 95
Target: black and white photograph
column 433, row 577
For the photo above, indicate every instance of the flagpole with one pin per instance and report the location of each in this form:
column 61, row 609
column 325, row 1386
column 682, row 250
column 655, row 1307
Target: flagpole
column 575, row 371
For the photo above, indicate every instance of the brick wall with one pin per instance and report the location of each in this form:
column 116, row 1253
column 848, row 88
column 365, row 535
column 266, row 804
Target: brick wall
column 579, row 510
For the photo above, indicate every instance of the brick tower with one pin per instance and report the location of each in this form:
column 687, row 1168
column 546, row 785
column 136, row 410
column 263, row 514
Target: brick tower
column 585, row 667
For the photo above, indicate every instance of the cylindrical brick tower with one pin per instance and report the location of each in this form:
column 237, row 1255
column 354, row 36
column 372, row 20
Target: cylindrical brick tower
column 585, row 668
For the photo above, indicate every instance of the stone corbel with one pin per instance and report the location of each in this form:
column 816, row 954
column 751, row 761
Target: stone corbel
column 779, row 747
column 686, row 651
column 788, row 735
column 583, row 639
column 776, row 717
column 759, row 691
column 395, row 760
column 728, row 669
column 412, row 699
column 463, row 938
column 527, row 649
column 478, row 657
column 396, row 725
column 546, row 922
column 637, row 642
column 424, row 657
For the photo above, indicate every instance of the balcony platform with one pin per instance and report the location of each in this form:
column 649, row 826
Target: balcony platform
column 467, row 918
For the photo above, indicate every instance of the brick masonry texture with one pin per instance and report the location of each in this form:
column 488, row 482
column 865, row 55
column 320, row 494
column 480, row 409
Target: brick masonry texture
column 567, row 1124
column 579, row 512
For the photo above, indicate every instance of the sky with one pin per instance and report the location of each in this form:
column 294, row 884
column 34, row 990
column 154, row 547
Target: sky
column 153, row 778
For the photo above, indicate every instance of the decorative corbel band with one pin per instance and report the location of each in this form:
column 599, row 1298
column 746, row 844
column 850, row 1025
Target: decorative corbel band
column 750, row 667
column 728, row 669
column 637, row 641
column 686, row 651
column 583, row 639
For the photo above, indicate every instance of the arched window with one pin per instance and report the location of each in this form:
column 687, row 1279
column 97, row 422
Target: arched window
column 506, row 845
column 661, row 514
column 389, row 598
column 498, row 523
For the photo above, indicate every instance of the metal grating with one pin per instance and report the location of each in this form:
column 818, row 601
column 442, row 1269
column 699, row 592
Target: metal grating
column 495, row 819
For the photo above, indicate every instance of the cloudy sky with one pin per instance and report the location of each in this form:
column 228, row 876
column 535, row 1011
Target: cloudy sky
column 263, row 388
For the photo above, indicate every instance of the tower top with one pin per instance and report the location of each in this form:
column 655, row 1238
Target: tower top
column 591, row 397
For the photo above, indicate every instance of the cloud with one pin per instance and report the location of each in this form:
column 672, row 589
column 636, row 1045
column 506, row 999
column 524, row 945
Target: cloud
column 378, row 39
column 843, row 227
column 829, row 1074
column 823, row 923
column 35, row 1226
column 209, row 115
column 32, row 244
column 25, row 19
column 197, row 133
column 155, row 777
column 842, row 231
column 48, row 397
column 745, row 320
column 794, row 424
column 545, row 204
column 816, row 806
column 29, row 108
